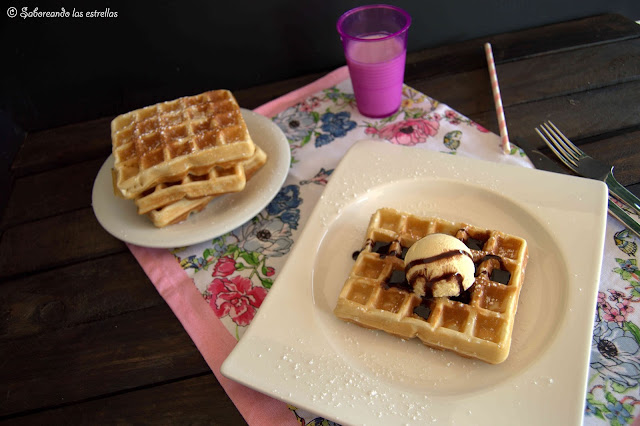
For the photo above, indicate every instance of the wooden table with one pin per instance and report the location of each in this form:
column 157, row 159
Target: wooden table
column 85, row 337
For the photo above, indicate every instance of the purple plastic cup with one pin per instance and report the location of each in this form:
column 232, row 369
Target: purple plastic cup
column 374, row 39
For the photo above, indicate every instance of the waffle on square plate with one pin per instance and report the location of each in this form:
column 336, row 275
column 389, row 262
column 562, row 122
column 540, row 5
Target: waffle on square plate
column 477, row 323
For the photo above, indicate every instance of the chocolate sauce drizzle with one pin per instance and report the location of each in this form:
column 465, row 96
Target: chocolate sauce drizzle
column 464, row 296
column 430, row 283
column 469, row 241
column 500, row 275
column 423, row 310
column 398, row 279
column 474, row 244
column 382, row 248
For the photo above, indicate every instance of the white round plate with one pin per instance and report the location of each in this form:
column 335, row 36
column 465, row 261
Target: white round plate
column 120, row 218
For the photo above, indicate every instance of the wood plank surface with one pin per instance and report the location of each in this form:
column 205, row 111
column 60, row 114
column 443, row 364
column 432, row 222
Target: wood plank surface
column 537, row 78
column 41, row 195
column 135, row 349
column 86, row 292
column 465, row 56
column 53, row 242
column 578, row 115
column 62, row 146
column 84, row 336
column 623, row 151
column 195, row 400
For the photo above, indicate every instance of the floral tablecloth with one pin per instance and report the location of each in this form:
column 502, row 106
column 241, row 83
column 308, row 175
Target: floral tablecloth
column 215, row 288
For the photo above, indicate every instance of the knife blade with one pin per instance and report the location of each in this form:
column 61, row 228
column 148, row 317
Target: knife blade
column 540, row 160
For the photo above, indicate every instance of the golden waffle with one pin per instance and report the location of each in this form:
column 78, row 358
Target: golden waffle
column 221, row 179
column 167, row 141
column 476, row 324
column 179, row 210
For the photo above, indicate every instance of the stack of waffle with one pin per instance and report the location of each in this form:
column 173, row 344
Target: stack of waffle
column 174, row 157
column 476, row 324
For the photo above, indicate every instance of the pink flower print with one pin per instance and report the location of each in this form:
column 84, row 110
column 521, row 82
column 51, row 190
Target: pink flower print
column 480, row 128
column 371, row 131
column 224, row 267
column 409, row 132
column 624, row 307
column 269, row 271
column 615, row 295
column 452, row 117
column 237, row 298
column 602, row 298
column 620, row 311
column 310, row 104
column 613, row 314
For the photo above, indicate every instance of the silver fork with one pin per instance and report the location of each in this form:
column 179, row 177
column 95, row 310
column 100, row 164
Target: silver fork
column 583, row 165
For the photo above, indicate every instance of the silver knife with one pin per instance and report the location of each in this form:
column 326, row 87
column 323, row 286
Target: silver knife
column 540, row 161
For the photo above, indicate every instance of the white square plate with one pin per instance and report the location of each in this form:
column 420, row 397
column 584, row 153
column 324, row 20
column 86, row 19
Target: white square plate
column 296, row 350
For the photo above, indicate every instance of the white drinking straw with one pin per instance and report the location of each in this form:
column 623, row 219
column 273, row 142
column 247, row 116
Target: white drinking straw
column 497, row 100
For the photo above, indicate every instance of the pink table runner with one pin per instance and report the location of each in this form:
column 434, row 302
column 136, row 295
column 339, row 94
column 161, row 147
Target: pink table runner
column 215, row 288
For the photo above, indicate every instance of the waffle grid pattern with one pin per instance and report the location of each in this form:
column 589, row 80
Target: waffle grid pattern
column 479, row 326
column 169, row 140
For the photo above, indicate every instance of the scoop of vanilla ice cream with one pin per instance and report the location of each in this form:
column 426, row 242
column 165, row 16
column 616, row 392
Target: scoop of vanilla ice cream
column 440, row 263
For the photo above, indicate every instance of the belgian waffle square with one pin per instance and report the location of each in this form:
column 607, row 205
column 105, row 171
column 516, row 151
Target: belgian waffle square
column 167, row 141
column 179, row 209
column 477, row 324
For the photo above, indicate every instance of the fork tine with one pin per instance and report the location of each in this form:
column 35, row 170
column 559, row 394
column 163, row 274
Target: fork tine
column 557, row 147
column 553, row 148
column 559, row 142
column 577, row 151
